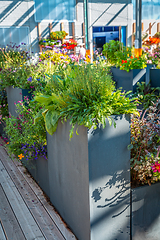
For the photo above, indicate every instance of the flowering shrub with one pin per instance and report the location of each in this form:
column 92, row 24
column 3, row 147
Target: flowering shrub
column 131, row 63
column 58, row 35
column 153, row 58
column 26, row 139
column 56, row 57
column 145, row 146
column 69, row 45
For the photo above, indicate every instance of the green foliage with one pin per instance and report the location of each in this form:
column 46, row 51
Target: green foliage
column 58, row 35
column 146, row 95
column 25, row 137
column 115, row 50
column 85, row 96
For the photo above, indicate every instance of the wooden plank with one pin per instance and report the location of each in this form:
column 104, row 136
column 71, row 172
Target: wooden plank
column 62, row 29
column 150, row 28
column 10, row 223
column 63, row 228
column 66, row 232
column 133, row 33
column 158, row 27
column 46, row 223
column 22, row 213
column 2, row 233
column 83, row 32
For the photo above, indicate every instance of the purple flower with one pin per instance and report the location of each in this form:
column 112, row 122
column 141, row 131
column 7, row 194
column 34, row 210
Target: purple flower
column 29, row 79
column 48, row 47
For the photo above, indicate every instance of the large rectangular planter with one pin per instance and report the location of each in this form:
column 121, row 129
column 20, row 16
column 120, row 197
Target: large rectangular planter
column 128, row 80
column 38, row 168
column 89, row 179
column 155, row 77
column 146, row 212
column 13, row 96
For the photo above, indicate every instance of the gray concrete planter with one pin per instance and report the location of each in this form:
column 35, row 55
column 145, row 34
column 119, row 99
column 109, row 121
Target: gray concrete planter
column 155, row 77
column 2, row 126
column 39, row 170
column 13, row 96
column 128, row 80
column 89, row 179
column 146, row 212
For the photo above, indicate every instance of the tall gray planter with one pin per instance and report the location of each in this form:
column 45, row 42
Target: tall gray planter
column 89, row 179
column 38, row 168
column 128, row 80
column 13, row 96
column 146, row 212
column 155, row 77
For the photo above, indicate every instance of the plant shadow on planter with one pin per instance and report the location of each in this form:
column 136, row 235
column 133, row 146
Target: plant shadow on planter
column 38, row 168
column 14, row 95
column 146, row 212
column 90, row 179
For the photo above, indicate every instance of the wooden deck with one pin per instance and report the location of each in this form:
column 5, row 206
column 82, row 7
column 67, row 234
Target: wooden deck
column 25, row 212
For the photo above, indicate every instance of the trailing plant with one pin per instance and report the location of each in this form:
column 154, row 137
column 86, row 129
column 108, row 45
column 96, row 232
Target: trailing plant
column 145, row 146
column 86, row 96
column 26, row 139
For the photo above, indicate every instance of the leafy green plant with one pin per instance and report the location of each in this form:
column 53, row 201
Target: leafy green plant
column 115, row 50
column 146, row 95
column 145, row 146
column 58, row 35
column 86, row 96
column 24, row 138
column 48, row 42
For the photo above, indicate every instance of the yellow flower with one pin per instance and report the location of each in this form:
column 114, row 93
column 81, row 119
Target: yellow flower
column 21, row 156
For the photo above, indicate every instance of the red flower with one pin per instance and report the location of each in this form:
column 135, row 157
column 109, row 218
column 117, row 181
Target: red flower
column 125, row 61
column 131, row 57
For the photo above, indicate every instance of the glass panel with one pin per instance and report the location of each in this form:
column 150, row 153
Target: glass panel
column 14, row 35
column 54, row 10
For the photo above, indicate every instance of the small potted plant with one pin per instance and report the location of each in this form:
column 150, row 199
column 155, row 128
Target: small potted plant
column 58, row 35
column 127, row 70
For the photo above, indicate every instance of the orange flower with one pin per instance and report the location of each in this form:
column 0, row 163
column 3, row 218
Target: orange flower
column 131, row 57
column 7, row 143
column 21, row 156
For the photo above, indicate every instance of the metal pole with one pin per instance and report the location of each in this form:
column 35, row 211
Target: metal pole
column 86, row 22
column 138, row 39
